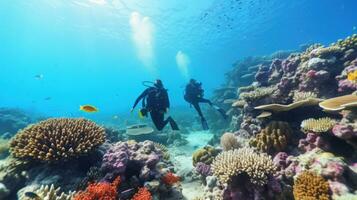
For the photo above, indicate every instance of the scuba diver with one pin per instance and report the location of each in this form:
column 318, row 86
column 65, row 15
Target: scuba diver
column 155, row 101
column 194, row 95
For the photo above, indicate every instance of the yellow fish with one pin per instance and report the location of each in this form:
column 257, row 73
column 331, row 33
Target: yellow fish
column 352, row 76
column 88, row 108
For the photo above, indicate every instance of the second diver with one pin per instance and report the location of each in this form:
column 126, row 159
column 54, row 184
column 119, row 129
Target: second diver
column 194, row 95
column 155, row 101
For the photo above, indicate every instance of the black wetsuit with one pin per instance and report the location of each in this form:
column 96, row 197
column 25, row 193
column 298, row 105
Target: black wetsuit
column 156, row 101
column 194, row 96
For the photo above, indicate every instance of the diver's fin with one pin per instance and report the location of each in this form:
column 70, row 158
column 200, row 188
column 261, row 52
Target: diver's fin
column 220, row 110
column 173, row 124
column 204, row 124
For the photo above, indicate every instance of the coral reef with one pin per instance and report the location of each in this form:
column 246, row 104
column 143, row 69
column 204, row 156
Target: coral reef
column 232, row 163
column 299, row 96
column 204, row 155
column 311, row 186
column 57, row 139
column 12, row 120
column 273, row 138
column 229, row 142
column 320, row 125
column 256, row 94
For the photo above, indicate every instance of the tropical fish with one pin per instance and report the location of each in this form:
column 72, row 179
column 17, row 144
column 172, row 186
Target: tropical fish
column 88, row 108
column 47, row 98
column 352, row 76
column 32, row 195
column 39, row 76
column 115, row 117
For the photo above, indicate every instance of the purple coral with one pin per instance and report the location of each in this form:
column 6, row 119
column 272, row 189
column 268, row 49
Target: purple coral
column 203, row 169
column 344, row 131
column 312, row 141
column 145, row 154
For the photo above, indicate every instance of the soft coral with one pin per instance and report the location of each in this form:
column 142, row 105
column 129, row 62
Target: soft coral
column 142, row 194
column 99, row 191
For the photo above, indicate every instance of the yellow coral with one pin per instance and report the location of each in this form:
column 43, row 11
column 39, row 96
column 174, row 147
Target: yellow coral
column 273, row 138
column 352, row 76
column 243, row 161
column 320, row 125
column 309, row 186
column 204, row 155
column 57, row 139
column 349, row 43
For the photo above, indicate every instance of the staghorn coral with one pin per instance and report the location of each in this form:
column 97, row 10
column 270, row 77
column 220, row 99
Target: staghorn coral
column 299, row 96
column 48, row 193
column 232, row 163
column 256, row 94
column 57, row 139
column 273, row 138
column 102, row 191
column 170, row 179
column 320, row 125
column 142, row 194
column 310, row 186
column 229, row 142
column 204, row 155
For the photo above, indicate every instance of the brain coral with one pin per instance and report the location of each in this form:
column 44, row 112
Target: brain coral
column 235, row 162
column 320, row 125
column 273, row 138
column 229, row 142
column 204, row 155
column 309, row 186
column 57, row 139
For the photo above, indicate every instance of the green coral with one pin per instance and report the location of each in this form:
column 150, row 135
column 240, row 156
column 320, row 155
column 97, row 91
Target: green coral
column 205, row 155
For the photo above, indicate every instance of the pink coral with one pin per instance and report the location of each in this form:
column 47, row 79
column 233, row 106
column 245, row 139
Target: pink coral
column 312, row 141
column 344, row 131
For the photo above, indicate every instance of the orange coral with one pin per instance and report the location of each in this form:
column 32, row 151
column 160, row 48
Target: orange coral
column 170, row 179
column 99, row 191
column 142, row 194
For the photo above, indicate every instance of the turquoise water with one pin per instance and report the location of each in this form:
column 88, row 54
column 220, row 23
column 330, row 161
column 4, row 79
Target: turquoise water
column 98, row 51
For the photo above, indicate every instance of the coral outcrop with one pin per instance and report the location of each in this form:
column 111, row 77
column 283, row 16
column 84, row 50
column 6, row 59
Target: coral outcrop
column 311, row 186
column 232, row 163
column 229, row 142
column 57, row 139
column 204, row 155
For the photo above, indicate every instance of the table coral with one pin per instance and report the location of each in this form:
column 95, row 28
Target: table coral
column 57, row 139
column 311, row 186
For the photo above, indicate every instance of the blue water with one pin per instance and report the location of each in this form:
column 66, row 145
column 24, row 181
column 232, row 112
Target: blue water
column 98, row 51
